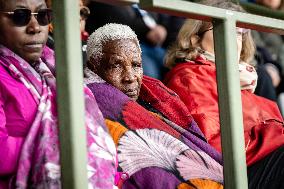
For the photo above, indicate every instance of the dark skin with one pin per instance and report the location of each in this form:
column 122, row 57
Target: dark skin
column 121, row 66
column 2, row 4
column 26, row 41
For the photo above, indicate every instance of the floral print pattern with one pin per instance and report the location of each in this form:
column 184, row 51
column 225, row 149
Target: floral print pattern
column 38, row 165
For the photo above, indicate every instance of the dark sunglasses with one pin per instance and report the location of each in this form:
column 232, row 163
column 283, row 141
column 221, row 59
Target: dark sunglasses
column 239, row 31
column 203, row 32
column 84, row 12
column 21, row 17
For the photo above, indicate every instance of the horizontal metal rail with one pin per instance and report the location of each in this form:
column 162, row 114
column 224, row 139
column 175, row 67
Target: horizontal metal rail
column 262, row 11
column 118, row 2
column 256, row 9
column 192, row 10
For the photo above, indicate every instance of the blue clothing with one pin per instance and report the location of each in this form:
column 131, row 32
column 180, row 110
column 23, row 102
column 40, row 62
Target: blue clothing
column 153, row 60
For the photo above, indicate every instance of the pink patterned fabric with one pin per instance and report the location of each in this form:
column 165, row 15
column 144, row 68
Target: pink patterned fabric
column 38, row 161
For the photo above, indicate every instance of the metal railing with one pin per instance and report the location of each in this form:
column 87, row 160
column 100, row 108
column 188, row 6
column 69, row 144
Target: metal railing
column 70, row 90
column 69, row 74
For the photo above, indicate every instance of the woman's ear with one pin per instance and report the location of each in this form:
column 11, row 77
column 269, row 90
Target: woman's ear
column 194, row 39
column 90, row 65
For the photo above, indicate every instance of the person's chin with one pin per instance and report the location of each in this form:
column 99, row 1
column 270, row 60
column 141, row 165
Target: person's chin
column 32, row 57
column 134, row 98
column 133, row 94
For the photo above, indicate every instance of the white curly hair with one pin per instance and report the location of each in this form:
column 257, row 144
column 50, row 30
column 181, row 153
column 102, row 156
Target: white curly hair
column 102, row 35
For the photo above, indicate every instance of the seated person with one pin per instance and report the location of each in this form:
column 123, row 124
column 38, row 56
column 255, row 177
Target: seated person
column 158, row 143
column 84, row 13
column 193, row 78
column 29, row 142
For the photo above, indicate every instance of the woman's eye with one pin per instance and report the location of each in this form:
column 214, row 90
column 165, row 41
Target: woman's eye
column 137, row 65
column 239, row 34
column 115, row 65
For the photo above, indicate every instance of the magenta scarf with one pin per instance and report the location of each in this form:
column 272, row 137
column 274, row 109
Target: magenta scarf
column 38, row 165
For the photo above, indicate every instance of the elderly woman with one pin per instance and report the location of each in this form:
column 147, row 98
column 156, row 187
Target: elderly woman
column 158, row 143
column 193, row 78
column 29, row 143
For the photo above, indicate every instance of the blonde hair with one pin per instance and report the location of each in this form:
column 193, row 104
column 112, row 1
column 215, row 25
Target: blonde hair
column 183, row 49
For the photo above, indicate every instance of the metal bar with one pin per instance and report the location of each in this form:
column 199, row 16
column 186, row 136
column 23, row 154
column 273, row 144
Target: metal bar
column 260, row 23
column 254, row 8
column 118, row 2
column 192, row 10
column 73, row 152
column 183, row 8
column 230, row 106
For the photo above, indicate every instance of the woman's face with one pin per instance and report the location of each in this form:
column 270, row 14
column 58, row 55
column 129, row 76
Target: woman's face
column 121, row 66
column 84, row 13
column 207, row 42
column 26, row 41
column 82, row 21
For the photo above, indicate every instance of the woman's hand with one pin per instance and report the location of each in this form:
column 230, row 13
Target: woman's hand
column 273, row 73
column 157, row 35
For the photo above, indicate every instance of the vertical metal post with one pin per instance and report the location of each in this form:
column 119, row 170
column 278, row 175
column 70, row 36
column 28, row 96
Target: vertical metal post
column 230, row 106
column 70, row 101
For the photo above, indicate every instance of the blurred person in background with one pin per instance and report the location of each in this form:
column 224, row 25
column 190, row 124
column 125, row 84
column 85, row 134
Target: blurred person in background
column 84, row 14
column 269, row 57
column 193, row 78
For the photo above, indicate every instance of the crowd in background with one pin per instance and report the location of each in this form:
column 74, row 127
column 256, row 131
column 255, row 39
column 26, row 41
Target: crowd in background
column 157, row 32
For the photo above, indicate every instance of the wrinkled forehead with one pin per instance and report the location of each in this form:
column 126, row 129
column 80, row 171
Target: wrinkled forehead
column 107, row 37
column 123, row 50
column 121, row 45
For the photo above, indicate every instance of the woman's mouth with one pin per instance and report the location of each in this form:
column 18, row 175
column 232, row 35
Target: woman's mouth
column 131, row 93
column 33, row 47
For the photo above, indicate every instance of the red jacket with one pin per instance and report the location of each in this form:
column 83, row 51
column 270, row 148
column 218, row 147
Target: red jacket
column 195, row 83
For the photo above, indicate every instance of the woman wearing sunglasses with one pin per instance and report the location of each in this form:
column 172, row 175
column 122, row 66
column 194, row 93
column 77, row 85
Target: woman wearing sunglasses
column 29, row 143
column 193, row 78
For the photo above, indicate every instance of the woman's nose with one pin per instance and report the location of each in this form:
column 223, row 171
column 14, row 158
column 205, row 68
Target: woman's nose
column 33, row 26
column 128, row 75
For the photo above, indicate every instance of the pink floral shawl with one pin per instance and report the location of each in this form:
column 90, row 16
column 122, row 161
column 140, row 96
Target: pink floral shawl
column 38, row 164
